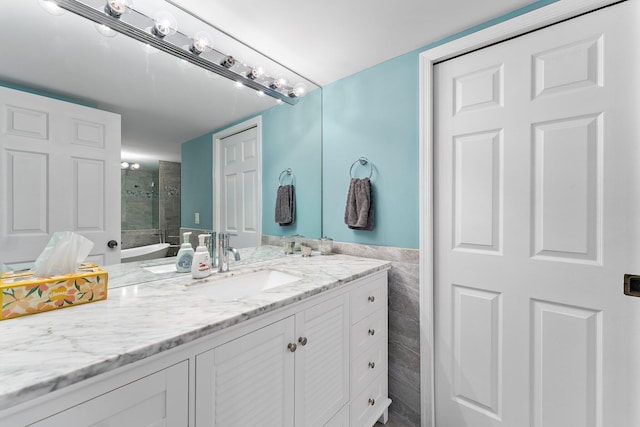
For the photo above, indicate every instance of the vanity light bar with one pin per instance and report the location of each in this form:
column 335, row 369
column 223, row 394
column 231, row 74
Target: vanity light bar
column 178, row 45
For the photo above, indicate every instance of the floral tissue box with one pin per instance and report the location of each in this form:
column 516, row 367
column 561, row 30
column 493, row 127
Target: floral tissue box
column 23, row 294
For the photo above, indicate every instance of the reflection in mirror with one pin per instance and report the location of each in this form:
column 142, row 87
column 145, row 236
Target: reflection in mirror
column 164, row 102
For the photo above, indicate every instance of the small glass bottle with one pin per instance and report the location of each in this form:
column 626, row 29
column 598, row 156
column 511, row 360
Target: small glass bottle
column 287, row 243
column 326, row 246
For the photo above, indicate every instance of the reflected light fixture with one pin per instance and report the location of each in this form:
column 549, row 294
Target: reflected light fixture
column 161, row 32
column 129, row 166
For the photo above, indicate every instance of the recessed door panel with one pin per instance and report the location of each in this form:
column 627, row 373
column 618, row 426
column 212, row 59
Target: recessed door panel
column 477, row 188
column 567, row 177
column 569, row 67
column 477, row 340
column 89, row 178
column 27, row 196
column 478, row 89
column 88, row 133
column 27, row 122
column 566, row 359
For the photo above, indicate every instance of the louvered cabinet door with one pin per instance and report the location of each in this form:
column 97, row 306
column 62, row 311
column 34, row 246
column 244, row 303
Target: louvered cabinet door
column 248, row 381
column 322, row 361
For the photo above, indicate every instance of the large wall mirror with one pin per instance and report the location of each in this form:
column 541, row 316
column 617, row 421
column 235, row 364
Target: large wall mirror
column 164, row 102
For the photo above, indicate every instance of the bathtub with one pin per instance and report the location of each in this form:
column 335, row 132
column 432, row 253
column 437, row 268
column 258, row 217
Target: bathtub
column 159, row 250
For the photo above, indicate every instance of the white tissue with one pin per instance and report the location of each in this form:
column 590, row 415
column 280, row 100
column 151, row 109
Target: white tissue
column 63, row 254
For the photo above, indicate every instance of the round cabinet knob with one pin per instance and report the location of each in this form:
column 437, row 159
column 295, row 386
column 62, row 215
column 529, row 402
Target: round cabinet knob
column 112, row 244
column 372, row 365
column 371, row 298
column 302, row 341
column 292, row 347
column 372, row 332
column 372, row 402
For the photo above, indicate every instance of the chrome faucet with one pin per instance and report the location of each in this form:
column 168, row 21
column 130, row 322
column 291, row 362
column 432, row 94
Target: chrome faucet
column 223, row 252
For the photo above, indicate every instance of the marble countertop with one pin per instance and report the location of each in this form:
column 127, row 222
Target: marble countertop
column 147, row 313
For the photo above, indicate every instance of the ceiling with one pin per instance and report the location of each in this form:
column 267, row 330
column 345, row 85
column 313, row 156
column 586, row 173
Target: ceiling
column 165, row 102
column 326, row 41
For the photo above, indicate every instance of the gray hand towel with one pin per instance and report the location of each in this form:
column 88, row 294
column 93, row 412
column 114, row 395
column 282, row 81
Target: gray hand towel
column 286, row 205
column 359, row 212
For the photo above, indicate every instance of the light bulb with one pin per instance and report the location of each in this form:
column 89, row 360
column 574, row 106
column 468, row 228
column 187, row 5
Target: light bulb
column 201, row 41
column 239, row 85
column 275, row 84
column 279, row 101
column 228, row 62
column 164, row 25
column 260, row 94
column 298, row 90
column 254, row 73
column 135, row 166
column 124, row 165
column 51, row 7
column 116, row 8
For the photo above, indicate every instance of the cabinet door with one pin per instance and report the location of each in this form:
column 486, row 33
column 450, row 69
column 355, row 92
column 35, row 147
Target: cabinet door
column 322, row 361
column 248, row 381
column 157, row 400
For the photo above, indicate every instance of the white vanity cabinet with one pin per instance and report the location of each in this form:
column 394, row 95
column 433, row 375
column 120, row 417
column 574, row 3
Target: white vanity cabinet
column 157, row 399
column 292, row 372
column 319, row 362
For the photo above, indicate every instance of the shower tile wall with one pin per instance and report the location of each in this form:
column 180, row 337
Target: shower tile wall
column 139, row 208
column 169, row 198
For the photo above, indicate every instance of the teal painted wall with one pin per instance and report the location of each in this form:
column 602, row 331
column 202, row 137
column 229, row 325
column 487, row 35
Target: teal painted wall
column 196, row 178
column 374, row 114
column 291, row 138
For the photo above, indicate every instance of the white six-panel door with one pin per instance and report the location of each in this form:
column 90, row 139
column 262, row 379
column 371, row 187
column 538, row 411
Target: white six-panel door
column 59, row 171
column 537, row 219
column 240, row 188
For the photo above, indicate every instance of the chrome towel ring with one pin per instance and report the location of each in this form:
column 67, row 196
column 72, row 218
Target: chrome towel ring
column 363, row 161
column 287, row 172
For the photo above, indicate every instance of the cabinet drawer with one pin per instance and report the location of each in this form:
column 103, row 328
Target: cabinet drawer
column 368, row 298
column 368, row 366
column 369, row 405
column 367, row 331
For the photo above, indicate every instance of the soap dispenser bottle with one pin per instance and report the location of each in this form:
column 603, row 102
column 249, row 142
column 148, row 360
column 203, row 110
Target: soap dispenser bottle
column 185, row 255
column 201, row 266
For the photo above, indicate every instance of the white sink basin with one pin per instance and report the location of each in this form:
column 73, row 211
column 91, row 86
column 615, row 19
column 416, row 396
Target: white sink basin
column 234, row 287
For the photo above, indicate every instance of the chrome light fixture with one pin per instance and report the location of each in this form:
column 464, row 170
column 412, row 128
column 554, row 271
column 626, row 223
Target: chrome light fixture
column 161, row 32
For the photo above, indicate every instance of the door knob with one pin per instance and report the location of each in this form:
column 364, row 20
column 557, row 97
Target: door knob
column 292, row 347
column 372, row 332
column 302, row 341
column 372, row 365
column 371, row 298
column 112, row 244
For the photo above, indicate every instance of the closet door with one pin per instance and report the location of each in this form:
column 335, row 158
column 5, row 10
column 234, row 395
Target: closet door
column 59, row 171
column 537, row 200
